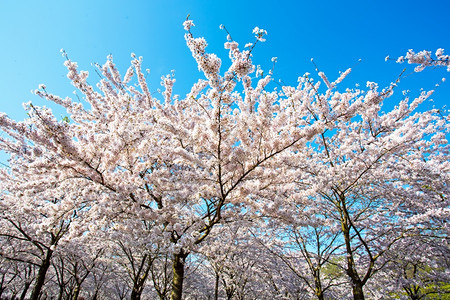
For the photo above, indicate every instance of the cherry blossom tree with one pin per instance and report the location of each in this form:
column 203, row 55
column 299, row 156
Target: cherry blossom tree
column 34, row 221
column 417, row 269
column 376, row 175
column 234, row 259
column 73, row 266
column 157, row 179
column 309, row 252
column 184, row 164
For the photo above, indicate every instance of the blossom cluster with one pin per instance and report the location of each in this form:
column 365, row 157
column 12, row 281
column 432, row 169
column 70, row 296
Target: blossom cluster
column 424, row 59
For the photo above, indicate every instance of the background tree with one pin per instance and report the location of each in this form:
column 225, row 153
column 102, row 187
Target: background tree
column 364, row 172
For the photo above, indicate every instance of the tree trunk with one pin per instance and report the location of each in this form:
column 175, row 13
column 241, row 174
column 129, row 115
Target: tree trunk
column 319, row 295
column 25, row 290
column 357, row 284
column 358, row 291
column 61, row 293
column 318, row 285
column 136, row 293
column 413, row 292
column 141, row 277
column 41, row 276
column 2, row 288
column 178, row 275
column 216, row 287
column 95, row 296
column 76, row 293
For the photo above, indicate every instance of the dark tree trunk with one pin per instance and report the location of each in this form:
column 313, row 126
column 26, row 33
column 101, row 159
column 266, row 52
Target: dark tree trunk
column 318, row 285
column 141, row 277
column 61, row 293
column 178, row 275
column 358, row 293
column 76, row 292
column 41, row 276
column 2, row 288
column 357, row 283
column 216, row 287
column 319, row 295
column 25, row 290
column 136, row 293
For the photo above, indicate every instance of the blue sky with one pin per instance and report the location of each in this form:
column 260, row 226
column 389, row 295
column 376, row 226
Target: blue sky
column 335, row 33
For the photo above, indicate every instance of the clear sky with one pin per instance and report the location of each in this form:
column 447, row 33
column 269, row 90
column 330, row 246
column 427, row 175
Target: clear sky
column 335, row 33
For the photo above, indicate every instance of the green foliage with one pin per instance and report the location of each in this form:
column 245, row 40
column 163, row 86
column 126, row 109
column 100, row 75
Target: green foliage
column 439, row 291
column 332, row 268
